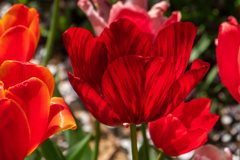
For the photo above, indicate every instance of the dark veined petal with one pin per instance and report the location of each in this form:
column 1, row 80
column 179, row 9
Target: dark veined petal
column 136, row 87
column 124, row 38
column 99, row 108
column 88, row 55
column 175, row 43
column 14, row 72
column 228, row 57
column 184, row 85
column 134, row 13
column 33, row 97
column 60, row 118
column 14, row 131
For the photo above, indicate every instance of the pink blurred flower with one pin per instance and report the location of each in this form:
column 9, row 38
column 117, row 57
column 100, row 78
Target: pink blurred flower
column 150, row 22
column 210, row 152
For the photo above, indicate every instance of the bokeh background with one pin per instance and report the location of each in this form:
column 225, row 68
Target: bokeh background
column 115, row 143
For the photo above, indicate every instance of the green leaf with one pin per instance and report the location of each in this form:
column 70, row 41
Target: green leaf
column 210, row 77
column 142, row 153
column 24, row 2
column 74, row 136
column 50, row 150
column 201, row 46
column 213, row 105
column 71, row 136
column 77, row 151
column 56, row 92
column 163, row 156
column 36, row 155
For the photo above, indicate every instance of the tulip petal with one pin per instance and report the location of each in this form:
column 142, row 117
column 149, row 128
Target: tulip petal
column 175, row 17
column 197, row 137
column 88, row 55
column 2, row 95
column 60, row 118
column 184, row 85
column 18, row 43
column 18, row 14
column 103, row 8
column 169, row 134
column 175, row 43
column 206, row 122
column 194, row 109
column 228, row 64
column 124, row 38
column 34, row 27
column 141, row 3
column 98, row 107
column 136, row 87
column 13, row 72
column 156, row 14
column 1, row 28
column 96, row 20
column 135, row 14
column 33, row 97
column 14, row 131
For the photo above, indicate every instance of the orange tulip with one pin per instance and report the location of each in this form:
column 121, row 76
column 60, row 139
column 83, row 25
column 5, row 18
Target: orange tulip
column 19, row 33
column 28, row 114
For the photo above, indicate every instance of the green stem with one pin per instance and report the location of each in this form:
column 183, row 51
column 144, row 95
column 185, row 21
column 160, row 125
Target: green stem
column 97, row 139
column 161, row 156
column 51, row 34
column 134, row 141
column 145, row 140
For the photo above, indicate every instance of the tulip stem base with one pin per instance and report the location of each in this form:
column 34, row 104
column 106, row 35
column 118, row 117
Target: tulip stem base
column 134, row 141
column 161, row 156
column 145, row 140
column 96, row 141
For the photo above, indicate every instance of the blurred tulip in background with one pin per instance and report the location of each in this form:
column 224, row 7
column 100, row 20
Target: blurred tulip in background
column 150, row 22
column 19, row 33
column 227, row 50
column 210, row 152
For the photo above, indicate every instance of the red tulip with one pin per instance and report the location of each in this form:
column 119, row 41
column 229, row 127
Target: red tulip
column 28, row 114
column 122, row 78
column 184, row 129
column 19, row 33
column 150, row 22
column 228, row 44
column 210, row 152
